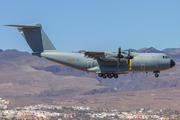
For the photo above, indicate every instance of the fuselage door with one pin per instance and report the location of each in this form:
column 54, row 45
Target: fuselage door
column 89, row 64
column 142, row 66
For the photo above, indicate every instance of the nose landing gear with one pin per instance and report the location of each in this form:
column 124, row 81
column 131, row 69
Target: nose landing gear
column 156, row 75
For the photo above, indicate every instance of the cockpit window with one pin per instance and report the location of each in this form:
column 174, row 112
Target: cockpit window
column 165, row 57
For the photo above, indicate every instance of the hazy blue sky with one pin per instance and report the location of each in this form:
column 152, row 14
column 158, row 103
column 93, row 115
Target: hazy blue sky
column 74, row 25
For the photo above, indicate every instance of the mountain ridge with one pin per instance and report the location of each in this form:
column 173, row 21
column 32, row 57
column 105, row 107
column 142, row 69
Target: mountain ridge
column 19, row 69
column 27, row 80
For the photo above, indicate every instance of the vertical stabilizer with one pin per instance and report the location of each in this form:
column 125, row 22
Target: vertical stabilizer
column 35, row 37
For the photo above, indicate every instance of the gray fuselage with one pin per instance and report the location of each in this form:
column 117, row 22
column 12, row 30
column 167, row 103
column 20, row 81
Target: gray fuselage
column 142, row 62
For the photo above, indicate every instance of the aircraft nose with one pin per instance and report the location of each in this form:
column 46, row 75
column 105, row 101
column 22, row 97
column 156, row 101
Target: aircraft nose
column 172, row 63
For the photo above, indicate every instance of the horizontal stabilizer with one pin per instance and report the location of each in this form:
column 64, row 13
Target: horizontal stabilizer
column 35, row 25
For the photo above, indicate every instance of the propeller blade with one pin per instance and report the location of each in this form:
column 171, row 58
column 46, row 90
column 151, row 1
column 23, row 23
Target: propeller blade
column 118, row 63
column 129, row 52
column 119, row 51
column 119, row 56
column 129, row 57
column 128, row 60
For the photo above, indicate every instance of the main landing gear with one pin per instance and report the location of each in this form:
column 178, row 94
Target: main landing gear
column 109, row 75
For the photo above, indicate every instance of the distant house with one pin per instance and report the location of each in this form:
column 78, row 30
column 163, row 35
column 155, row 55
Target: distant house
column 29, row 117
column 71, row 115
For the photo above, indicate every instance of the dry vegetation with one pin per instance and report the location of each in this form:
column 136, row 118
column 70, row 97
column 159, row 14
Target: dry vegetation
column 168, row 99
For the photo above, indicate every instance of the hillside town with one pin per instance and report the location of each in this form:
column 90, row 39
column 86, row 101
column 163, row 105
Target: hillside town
column 57, row 112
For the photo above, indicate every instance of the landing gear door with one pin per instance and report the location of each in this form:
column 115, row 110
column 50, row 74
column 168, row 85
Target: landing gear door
column 89, row 64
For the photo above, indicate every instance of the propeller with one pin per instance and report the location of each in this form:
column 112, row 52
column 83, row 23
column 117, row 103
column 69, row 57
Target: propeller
column 119, row 56
column 128, row 57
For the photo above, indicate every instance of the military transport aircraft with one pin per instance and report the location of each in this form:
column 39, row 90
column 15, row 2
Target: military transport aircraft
column 105, row 64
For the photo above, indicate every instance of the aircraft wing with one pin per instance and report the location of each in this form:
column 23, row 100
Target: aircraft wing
column 94, row 54
column 100, row 55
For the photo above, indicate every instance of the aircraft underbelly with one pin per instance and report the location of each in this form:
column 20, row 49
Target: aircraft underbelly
column 105, row 69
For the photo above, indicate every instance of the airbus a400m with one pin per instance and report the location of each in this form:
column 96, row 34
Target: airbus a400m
column 104, row 63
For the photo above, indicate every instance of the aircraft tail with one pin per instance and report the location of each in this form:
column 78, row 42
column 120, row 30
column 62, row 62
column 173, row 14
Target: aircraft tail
column 35, row 37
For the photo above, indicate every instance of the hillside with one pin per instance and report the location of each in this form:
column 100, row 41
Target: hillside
column 129, row 82
column 150, row 50
column 18, row 78
column 39, row 77
column 26, row 80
